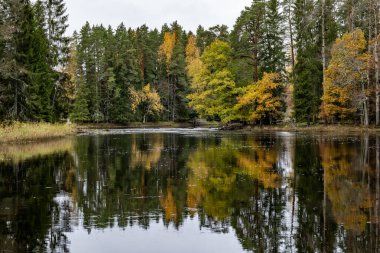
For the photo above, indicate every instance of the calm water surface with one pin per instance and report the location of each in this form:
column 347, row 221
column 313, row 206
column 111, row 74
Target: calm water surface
column 191, row 191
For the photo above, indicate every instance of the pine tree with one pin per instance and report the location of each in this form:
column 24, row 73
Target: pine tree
column 247, row 37
column 206, row 37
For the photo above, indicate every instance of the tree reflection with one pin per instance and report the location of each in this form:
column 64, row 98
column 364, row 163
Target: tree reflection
column 278, row 194
column 30, row 215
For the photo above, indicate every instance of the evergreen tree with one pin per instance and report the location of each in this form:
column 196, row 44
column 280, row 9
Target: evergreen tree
column 41, row 75
column 173, row 83
column 127, row 74
column 13, row 81
column 80, row 111
column 247, row 37
column 308, row 72
column 206, row 37
column 273, row 56
column 57, row 19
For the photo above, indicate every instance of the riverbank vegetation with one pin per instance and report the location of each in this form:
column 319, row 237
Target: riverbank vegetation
column 292, row 61
column 22, row 132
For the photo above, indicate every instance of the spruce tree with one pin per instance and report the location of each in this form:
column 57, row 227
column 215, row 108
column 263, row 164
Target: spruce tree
column 57, row 23
column 80, row 111
column 273, row 55
column 308, row 69
column 41, row 75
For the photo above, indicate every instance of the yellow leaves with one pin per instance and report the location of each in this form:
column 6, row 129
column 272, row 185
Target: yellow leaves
column 192, row 51
column 167, row 47
column 346, row 192
column 345, row 75
column 136, row 98
column 336, row 101
column 168, row 204
column 262, row 99
column 194, row 64
column 212, row 81
column 146, row 159
column 147, row 98
column 259, row 167
column 217, row 55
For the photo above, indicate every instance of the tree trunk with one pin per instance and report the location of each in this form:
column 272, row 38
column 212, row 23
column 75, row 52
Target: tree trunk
column 365, row 107
column 323, row 42
column 291, row 36
column 255, row 64
column 376, row 49
column 173, row 100
column 377, row 189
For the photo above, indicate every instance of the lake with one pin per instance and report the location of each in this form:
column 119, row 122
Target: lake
column 180, row 190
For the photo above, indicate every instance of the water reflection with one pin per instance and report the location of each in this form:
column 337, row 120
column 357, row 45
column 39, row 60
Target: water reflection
column 273, row 192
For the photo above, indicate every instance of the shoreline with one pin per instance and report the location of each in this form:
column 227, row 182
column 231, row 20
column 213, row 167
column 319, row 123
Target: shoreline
column 340, row 129
column 34, row 132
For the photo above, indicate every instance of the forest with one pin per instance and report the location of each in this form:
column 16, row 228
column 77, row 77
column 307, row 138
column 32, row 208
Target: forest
column 284, row 61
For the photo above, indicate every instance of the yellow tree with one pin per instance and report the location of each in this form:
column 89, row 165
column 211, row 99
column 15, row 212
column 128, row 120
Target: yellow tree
column 167, row 48
column 148, row 100
column 262, row 101
column 193, row 59
column 345, row 79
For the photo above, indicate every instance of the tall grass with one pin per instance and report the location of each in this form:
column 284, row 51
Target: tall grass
column 22, row 132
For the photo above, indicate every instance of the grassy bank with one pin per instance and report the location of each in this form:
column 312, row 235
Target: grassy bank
column 23, row 132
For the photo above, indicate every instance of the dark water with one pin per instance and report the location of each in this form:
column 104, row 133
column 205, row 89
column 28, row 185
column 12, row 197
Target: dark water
column 191, row 192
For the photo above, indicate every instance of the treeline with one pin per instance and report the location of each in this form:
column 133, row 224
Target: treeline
column 284, row 60
column 33, row 56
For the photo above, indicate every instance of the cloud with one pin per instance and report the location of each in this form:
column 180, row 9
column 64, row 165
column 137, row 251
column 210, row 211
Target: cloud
column 154, row 13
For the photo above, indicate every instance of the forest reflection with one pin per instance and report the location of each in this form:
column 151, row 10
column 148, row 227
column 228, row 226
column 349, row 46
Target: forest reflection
column 276, row 192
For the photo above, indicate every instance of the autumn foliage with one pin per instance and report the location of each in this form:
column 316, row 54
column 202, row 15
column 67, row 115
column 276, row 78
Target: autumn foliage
column 344, row 85
column 262, row 100
column 148, row 100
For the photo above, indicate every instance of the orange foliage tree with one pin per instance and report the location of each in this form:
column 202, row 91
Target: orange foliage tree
column 167, row 47
column 262, row 100
column 345, row 78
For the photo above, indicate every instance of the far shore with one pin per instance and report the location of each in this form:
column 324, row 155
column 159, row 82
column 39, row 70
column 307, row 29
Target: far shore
column 31, row 132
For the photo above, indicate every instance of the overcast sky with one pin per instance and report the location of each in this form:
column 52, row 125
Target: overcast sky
column 154, row 13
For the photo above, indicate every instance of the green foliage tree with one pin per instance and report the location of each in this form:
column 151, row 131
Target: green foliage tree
column 248, row 35
column 308, row 72
column 80, row 111
column 213, row 90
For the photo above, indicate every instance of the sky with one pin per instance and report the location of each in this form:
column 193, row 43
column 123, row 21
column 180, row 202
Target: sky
column 154, row 13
